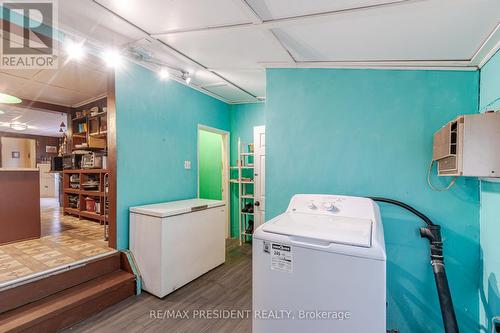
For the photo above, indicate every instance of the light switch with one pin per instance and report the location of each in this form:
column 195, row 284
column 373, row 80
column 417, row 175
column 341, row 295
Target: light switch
column 187, row 165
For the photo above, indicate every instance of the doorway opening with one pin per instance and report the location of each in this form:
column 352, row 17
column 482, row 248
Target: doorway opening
column 213, row 167
column 57, row 170
column 18, row 152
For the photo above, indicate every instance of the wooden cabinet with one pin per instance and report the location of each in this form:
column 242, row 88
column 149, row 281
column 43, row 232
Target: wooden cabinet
column 80, row 185
column 19, row 204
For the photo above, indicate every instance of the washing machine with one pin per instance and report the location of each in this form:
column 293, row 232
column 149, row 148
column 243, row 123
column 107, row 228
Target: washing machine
column 320, row 267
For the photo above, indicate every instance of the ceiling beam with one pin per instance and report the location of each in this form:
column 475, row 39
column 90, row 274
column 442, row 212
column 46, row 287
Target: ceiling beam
column 43, row 106
column 249, row 9
column 256, row 19
column 175, row 51
column 281, row 22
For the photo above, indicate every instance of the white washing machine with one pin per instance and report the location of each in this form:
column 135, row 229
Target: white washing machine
column 321, row 267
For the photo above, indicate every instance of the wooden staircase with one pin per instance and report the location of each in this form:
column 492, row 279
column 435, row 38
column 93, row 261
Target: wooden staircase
column 58, row 301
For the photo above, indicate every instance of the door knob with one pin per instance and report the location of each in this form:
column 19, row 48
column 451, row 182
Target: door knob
column 257, row 203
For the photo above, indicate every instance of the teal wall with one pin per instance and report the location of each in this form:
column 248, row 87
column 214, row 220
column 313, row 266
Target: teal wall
column 369, row 132
column 156, row 125
column 243, row 118
column 490, row 209
column 490, row 84
column 210, row 164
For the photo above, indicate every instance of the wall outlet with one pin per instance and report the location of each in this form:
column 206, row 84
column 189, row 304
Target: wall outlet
column 187, row 165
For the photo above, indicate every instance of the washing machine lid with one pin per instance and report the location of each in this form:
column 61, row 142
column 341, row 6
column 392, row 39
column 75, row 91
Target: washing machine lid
column 333, row 229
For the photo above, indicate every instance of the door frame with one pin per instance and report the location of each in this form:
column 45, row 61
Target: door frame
column 258, row 218
column 226, row 196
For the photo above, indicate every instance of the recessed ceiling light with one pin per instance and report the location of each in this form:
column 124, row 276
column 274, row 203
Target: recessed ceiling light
column 74, row 50
column 2, row 112
column 18, row 126
column 9, row 99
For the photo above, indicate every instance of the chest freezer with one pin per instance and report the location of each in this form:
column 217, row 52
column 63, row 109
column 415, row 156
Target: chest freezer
column 173, row 243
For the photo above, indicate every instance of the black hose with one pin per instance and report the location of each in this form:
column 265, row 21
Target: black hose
column 433, row 234
column 405, row 206
column 445, row 301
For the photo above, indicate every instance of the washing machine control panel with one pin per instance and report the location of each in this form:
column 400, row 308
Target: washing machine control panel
column 332, row 205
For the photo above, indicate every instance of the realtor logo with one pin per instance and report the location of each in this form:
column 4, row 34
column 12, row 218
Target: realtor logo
column 28, row 35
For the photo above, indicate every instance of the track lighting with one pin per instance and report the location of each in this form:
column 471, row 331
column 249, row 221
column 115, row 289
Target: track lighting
column 186, row 77
column 74, row 50
column 164, row 74
column 113, row 58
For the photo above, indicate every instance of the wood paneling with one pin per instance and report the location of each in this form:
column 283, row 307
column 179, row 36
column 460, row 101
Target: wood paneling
column 36, row 105
column 112, row 152
column 19, row 205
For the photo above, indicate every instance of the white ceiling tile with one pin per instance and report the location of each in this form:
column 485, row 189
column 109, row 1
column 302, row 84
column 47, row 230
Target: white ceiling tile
column 230, row 93
column 45, row 93
column 159, row 15
column 240, row 49
column 10, row 84
column 75, row 77
column 21, row 73
column 416, row 31
column 204, row 78
column 276, row 9
column 87, row 19
column 253, row 80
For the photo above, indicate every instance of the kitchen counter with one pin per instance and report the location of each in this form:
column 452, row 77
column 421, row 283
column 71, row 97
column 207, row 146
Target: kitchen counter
column 19, row 204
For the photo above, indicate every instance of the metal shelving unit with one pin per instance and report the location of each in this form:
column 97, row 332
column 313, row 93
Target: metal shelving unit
column 244, row 196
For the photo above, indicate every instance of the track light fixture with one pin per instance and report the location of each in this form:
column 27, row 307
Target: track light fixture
column 186, row 77
column 164, row 73
column 74, row 50
column 113, row 58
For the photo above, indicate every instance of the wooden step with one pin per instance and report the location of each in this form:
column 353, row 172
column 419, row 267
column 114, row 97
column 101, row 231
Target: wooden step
column 33, row 291
column 69, row 306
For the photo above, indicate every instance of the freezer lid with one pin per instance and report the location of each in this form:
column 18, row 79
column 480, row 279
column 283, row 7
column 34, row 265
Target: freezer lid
column 166, row 209
column 332, row 229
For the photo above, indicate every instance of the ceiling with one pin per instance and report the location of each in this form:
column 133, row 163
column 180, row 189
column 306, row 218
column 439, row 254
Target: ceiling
column 70, row 85
column 227, row 44
column 39, row 122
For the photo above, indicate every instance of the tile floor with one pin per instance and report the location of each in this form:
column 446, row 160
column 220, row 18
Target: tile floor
column 65, row 240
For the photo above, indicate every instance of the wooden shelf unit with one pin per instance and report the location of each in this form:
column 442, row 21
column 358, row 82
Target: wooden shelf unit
column 81, row 193
column 89, row 130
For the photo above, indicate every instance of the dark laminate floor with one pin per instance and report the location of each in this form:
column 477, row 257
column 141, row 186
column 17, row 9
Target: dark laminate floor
column 227, row 287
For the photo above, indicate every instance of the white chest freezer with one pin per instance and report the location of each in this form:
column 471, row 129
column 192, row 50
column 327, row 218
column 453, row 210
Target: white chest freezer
column 175, row 242
column 320, row 267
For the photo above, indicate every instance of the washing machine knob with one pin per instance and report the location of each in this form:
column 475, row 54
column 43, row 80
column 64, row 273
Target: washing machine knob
column 329, row 206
